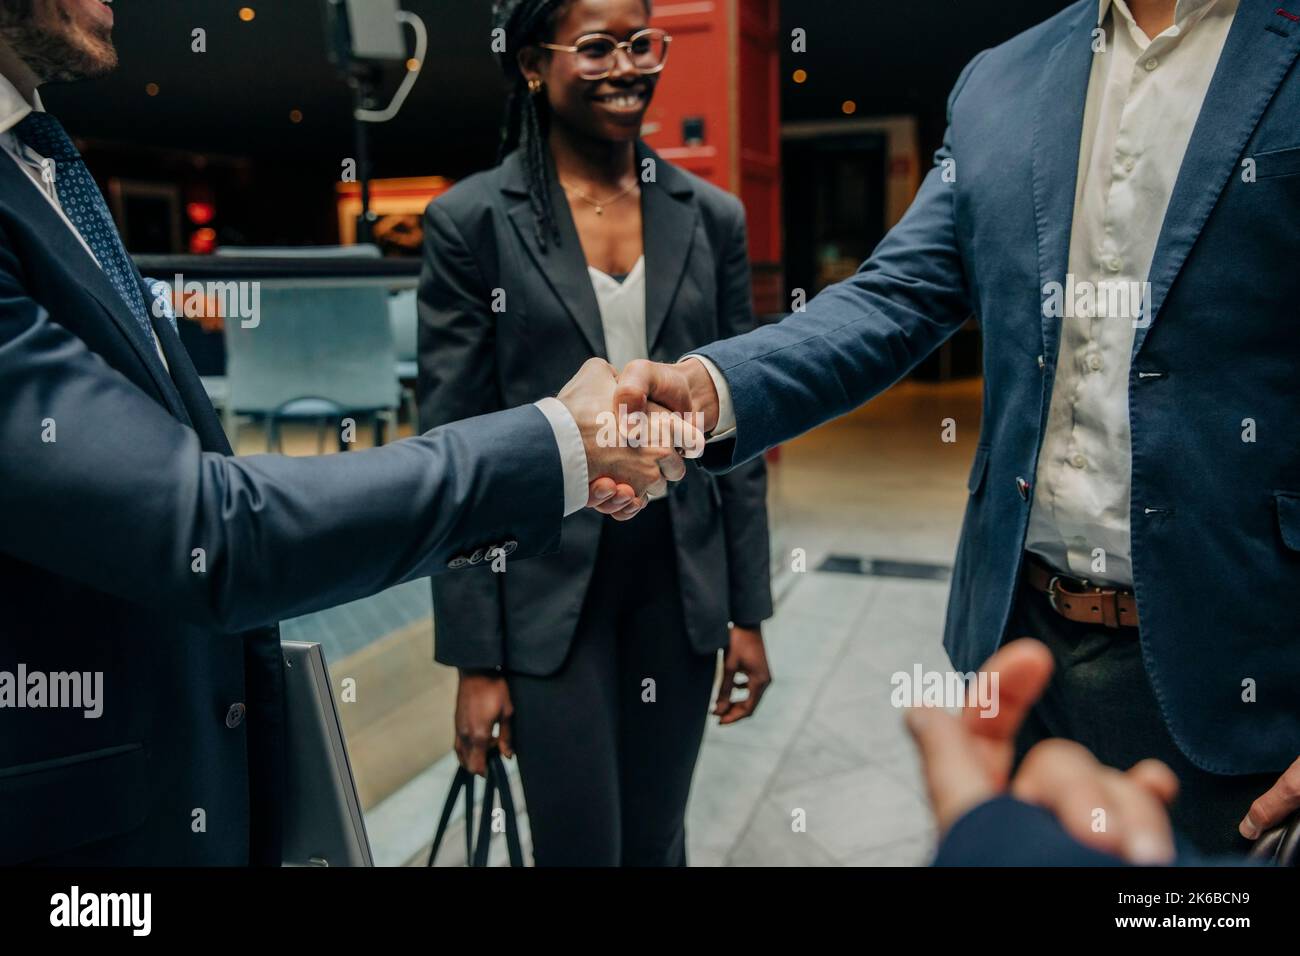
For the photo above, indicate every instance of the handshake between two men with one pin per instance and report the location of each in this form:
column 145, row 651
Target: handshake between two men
column 638, row 426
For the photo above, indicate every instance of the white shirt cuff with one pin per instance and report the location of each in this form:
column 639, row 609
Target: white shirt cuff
column 573, row 454
column 726, row 426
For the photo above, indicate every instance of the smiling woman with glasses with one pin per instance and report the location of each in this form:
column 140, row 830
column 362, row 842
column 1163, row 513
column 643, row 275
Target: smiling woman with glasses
column 597, row 53
column 596, row 664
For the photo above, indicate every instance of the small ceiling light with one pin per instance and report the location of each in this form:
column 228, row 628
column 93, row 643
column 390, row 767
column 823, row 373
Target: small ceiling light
column 247, row 14
column 295, row 116
column 151, row 89
column 801, row 76
column 849, row 107
column 203, row 242
column 200, row 213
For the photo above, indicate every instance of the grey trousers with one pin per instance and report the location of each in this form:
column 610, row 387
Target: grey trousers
column 1100, row 696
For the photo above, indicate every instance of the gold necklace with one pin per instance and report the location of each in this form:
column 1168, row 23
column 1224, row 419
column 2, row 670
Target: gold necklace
column 599, row 205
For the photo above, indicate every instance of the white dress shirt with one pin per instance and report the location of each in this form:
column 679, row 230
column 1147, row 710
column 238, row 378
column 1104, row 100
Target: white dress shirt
column 1144, row 97
column 573, row 453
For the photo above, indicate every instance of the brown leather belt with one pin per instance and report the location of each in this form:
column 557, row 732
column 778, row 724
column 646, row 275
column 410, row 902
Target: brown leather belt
column 1077, row 600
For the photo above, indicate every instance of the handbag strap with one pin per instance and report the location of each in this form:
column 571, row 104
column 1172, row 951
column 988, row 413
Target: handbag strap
column 513, row 848
column 485, row 820
column 498, row 783
column 464, row 780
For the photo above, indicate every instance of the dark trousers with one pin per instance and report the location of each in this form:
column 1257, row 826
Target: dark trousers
column 1100, row 696
column 606, row 757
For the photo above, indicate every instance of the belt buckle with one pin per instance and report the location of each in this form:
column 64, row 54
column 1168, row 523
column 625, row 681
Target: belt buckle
column 1055, row 583
column 1051, row 592
column 1106, row 598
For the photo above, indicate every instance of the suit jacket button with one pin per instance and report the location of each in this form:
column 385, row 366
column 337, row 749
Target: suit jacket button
column 1022, row 486
column 235, row 715
column 510, row 547
column 458, row 562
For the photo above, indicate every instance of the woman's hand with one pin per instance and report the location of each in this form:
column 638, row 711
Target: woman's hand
column 745, row 656
column 482, row 702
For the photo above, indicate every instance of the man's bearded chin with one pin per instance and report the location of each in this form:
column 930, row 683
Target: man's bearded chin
column 54, row 48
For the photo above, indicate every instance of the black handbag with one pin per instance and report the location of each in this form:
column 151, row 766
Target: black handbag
column 498, row 785
column 1279, row 846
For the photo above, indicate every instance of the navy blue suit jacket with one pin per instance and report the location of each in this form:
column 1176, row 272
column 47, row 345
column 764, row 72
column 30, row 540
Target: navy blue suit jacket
column 114, row 470
column 1007, row 832
column 1215, row 520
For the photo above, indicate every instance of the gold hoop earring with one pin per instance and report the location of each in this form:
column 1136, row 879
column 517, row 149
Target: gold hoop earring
column 534, row 86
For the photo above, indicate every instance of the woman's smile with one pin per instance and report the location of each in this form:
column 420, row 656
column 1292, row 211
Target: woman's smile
column 631, row 100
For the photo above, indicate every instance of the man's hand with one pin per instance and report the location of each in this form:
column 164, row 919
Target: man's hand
column 1272, row 809
column 745, row 656
column 653, row 388
column 683, row 388
column 967, row 760
column 482, row 702
column 630, row 458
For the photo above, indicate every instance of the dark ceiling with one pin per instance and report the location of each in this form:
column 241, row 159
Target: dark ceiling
column 235, row 99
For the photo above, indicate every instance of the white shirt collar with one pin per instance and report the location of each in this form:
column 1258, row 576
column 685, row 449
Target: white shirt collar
column 13, row 108
column 1182, row 11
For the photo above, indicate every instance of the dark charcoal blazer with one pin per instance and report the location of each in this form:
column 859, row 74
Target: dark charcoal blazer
column 97, row 532
column 1216, row 521
column 479, row 237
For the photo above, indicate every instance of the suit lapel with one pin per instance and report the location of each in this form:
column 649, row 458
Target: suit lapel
column 97, row 284
column 562, row 263
column 668, row 225
column 1058, row 130
column 1259, row 51
column 202, row 417
column 64, row 246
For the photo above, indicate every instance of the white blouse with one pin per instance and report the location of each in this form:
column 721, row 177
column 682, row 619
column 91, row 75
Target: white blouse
column 622, row 314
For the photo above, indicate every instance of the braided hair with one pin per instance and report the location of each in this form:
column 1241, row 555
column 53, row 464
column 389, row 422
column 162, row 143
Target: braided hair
column 525, row 23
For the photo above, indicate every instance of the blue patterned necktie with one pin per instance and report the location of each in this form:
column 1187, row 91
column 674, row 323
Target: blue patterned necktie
column 85, row 208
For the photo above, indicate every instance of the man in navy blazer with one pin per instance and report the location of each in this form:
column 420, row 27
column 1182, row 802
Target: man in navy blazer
column 143, row 567
column 1114, row 201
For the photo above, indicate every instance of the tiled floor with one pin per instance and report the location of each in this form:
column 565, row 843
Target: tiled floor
column 824, row 773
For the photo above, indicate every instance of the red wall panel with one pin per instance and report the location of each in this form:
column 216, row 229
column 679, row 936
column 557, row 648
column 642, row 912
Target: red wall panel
column 723, row 70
